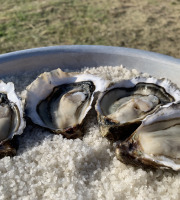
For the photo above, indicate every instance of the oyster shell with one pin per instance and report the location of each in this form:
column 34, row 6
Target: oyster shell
column 59, row 102
column 11, row 118
column 156, row 142
column 123, row 106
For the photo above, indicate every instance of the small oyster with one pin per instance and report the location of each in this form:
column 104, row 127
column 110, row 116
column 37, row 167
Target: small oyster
column 123, row 106
column 156, row 142
column 59, row 102
column 11, row 118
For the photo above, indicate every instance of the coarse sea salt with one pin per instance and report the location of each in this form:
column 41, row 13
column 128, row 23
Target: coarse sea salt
column 49, row 166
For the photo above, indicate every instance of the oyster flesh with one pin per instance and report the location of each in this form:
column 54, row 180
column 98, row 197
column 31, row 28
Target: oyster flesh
column 59, row 102
column 156, row 142
column 11, row 118
column 123, row 106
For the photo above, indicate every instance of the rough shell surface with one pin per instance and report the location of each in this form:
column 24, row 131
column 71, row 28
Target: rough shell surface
column 147, row 95
column 156, row 142
column 44, row 88
column 11, row 118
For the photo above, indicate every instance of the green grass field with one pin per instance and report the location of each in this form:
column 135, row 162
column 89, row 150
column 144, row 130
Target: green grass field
column 143, row 24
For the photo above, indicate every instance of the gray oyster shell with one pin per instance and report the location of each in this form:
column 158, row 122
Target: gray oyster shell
column 60, row 102
column 11, row 118
column 123, row 106
column 156, row 143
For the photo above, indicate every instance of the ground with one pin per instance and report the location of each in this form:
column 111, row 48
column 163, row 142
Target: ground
column 143, row 24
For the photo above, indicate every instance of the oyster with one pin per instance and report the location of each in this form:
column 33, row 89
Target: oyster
column 156, row 142
column 59, row 102
column 123, row 106
column 11, row 118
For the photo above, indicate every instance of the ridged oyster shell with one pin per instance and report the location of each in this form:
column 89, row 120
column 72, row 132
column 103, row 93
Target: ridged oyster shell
column 60, row 102
column 11, row 118
column 123, row 106
column 156, row 142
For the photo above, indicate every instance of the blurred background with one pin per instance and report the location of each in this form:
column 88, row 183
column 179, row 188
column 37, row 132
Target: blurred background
column 143, row 24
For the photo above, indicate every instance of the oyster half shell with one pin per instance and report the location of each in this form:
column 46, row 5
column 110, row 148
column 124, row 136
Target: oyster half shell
column 123, row 106
column 59, row 102
column 156, row 142
column 11, row 118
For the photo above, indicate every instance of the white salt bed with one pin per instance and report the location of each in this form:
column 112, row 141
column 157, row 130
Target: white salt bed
column 49, row 167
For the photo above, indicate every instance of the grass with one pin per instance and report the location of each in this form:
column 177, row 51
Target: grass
column 143, row 24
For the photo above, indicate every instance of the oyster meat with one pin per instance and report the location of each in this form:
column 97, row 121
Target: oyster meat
column 156, row 142
column 123, row 106
column 59, row 102
column 11, row 118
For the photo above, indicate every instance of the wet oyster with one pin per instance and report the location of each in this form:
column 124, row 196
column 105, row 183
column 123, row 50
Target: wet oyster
column 123, row 106
column 156, row 142
column 59, row 102
column 11, row 118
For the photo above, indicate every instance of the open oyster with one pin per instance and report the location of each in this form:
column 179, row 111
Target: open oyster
column 11, row 118
column 123, row 106
column 59, row 102
column 156, row 142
